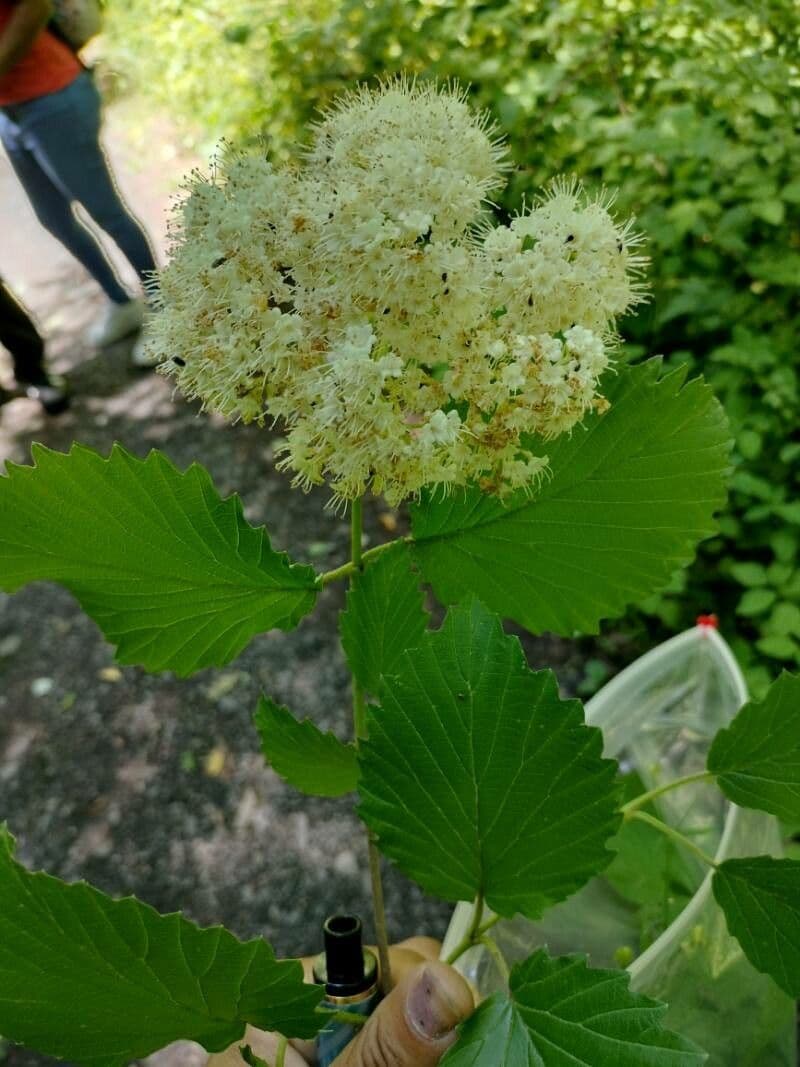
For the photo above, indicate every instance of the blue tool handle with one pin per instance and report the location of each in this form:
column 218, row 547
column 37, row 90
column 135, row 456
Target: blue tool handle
column 337, row 1036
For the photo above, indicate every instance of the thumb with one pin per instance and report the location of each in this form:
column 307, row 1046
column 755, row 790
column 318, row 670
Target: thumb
column 416, row 1023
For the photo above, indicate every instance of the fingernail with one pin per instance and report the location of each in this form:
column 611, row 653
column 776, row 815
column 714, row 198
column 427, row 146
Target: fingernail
column 429, row 1008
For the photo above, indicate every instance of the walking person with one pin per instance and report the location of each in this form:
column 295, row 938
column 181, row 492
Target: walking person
column 19, row 335
column 50, row 127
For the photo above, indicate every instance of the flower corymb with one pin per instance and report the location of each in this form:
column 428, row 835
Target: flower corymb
column 364, row 300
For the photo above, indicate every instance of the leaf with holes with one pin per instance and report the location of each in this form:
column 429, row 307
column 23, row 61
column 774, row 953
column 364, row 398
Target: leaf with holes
column 102, row 982
column 316, row 763
column 171, row 573
column 478, row 779
column 757, row 758
column 384, row 617
column 761, row 901
column 561, row 1013
column 629, row 495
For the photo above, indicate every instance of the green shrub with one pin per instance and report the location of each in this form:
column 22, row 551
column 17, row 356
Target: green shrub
column 691, row 108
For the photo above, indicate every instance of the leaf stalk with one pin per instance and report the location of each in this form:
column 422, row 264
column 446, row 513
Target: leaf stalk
column 499, row 959
column 676, row 836
column 347, row 570
column 280, row 1057
column 476, row 930
column 360, row 728
column 629, row 810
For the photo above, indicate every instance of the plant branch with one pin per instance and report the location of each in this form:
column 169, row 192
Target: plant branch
column 360, row 728
column 473, row 935
column 485, row 927
column 628, row 810
column 280, row 1058
column 356, row 533
column 499, row 959
column 348, row 569
column 379, row 909
column 675, row 835
column 347, row 1018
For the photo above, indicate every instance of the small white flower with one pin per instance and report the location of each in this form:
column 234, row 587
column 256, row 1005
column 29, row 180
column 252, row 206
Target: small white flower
column 513, row 376
column 551, row 348
column 415, row 222
column 351, row 299
column 441, row 428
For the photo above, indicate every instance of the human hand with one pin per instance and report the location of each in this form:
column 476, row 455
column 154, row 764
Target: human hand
column 413, row 1027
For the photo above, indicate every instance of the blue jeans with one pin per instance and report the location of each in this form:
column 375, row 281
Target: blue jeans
column 53, row 145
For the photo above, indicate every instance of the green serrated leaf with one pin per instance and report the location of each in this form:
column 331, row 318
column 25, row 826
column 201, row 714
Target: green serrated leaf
column 750, row 443
column 757, row 758
column 102, row 982
column 384, row 617
column 779, row 647
column 756, row 601
column 761, row 901
column 561, row 1013
column 629, row 496
column 771, row 210
column 172, row 573
column 791, row 192
column 784, row 544
column 785, row 619
column 478, row 779
column 749, row 574
column 315, row 763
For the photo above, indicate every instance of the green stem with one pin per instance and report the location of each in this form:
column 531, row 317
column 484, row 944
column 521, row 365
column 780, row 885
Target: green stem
column 347, row 1018
column 379, row 910
column 360, row 729
column 676, row 836
column 356, row 532
column 474, row 933
column 628, row 810
column 280, row 1058
column 497, row 956
column 486, row 927
column 348, row 569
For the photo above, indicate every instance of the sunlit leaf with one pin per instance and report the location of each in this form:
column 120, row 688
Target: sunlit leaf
column 757, row 758
column 171, row 573
column 102, row 982
column 384, row 617
column 761, row 901
column 317, row 763
column 477, row 778
column 629, row 495
column 561, row 1013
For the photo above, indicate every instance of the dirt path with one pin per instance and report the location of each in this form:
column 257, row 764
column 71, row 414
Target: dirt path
column 147, row 784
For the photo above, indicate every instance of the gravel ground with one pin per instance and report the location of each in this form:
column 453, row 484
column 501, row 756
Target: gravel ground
column 147, row 784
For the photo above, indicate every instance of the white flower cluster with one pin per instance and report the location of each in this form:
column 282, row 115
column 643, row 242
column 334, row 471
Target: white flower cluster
column 364, row 301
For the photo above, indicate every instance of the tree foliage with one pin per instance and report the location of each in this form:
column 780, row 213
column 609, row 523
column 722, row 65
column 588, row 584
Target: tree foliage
column 690, row 108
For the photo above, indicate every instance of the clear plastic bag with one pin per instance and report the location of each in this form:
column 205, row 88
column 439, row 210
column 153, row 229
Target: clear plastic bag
column 658, row 718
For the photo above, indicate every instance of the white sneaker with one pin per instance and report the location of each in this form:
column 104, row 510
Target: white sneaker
column 140, row 357
column 118, row 321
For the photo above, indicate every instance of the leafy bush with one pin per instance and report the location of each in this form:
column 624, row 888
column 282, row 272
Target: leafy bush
column 321, row 296
column 686, row 105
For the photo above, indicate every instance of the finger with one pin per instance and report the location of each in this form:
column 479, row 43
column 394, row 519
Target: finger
column 416, row 1023
column 402, row 961
column 427, row 948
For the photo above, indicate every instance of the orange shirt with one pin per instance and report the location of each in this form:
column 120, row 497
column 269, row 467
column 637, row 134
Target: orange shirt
column 48, row 65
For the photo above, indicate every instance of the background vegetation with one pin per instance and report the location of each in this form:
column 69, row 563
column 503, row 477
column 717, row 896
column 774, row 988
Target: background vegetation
column 689, row 107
